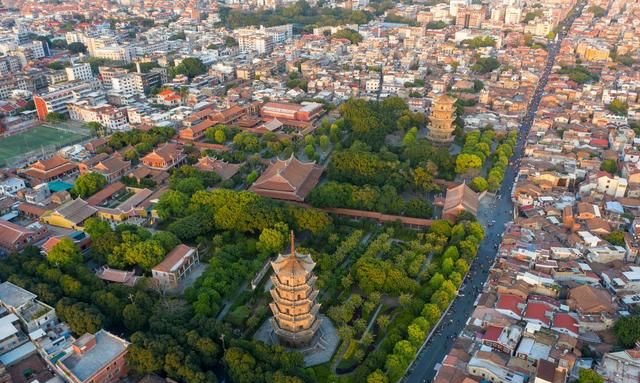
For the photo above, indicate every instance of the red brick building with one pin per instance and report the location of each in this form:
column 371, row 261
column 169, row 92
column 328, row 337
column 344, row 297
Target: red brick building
column 293, row 115
column 95, row 358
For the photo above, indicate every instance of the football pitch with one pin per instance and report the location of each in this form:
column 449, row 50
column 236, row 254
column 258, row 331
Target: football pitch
column 34, row 139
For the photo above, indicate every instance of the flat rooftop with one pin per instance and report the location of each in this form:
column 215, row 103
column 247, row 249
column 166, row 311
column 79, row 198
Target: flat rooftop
column 85, row 365
column 14, row 296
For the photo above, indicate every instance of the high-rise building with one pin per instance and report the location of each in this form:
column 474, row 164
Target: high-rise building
column 441, row 119
column 79, row 72
column 295, row 310
column 470, row 16
column 454, row 5
column 512, row 15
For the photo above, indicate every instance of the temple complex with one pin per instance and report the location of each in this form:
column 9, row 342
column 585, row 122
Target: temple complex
column 290, row 180
column 441, row 120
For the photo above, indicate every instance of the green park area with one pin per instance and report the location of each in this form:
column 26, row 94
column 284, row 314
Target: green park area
column 34, row 139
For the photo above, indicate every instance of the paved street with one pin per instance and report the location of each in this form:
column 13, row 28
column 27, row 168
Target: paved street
column 500, row 210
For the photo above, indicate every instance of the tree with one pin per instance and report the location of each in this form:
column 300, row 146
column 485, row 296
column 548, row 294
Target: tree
column 324, row 142
column 609, row 166
column 220, row 136
column 615, row 238
column 65, row 253
column 424, row 177
column 134, row 317
column 479, row 184
column 485, row 65
column 273, row 239
column 383, row 321
column 145, row 254
column 597, row 11
column 627, row 330
column 241, row 365
column 77, row 47
column 377, row 377
column 353, row 36
column 55, row 117
column 589, row 376
column 172, row 204
column 190, row 67
column 431, row 313
column 618, row 107
column 88, row 184
column 466, row 162
column 309, row 151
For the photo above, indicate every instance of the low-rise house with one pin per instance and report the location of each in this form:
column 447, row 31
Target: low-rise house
column 589, row 300
column 128, row 209
column 164, row 157
column 112, row 168
column 32, row 313
column 70, row 215
column 176, row 266
column 128, row 278
column 11, row 186
column 493, row 367
column 621, row 366
column 565, row 324
column 48, row 170
column 510, row 305
column 224, row 169
column 606, row 254
column 504, row 339
column 14, row 238
column 95, row 358
column 538, row 313
column 10, row 334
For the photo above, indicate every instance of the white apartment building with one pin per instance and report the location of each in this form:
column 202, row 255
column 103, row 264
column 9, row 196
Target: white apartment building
column 79, row 72
column 512, row 15
column 57, row 99
column 372, row 85
column 261, row 44
column 108, row 116
column 615, row 187
column 124, row 84
column 115, row 53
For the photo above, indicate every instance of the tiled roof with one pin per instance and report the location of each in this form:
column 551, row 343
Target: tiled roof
column 510, row 302
column 174, row 258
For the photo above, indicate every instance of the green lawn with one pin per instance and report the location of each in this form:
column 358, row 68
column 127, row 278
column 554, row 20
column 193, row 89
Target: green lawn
column 33, row 139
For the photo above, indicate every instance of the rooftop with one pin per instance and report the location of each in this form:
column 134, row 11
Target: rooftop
column 15, row 296
column 107, row 348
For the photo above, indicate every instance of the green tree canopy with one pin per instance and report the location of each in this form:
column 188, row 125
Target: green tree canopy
column 348, row 34
column 77, row 47
column 190, row 67
column 627, row 330
column 64, row 253
column 88, row 184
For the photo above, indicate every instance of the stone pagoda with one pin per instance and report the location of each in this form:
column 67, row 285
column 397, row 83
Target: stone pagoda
column 441, row 119
column 295, row 310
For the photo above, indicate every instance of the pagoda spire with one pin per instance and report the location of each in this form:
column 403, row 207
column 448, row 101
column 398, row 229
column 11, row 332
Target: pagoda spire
column 295, row 309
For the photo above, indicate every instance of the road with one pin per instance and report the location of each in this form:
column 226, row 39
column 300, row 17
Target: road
column 500, row 210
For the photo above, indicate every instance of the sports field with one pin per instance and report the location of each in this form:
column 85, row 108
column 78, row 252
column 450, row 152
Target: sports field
column 34, row 139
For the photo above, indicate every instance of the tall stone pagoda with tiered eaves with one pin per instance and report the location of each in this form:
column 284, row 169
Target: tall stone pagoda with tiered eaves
column 443, row 114
column 295, row 310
